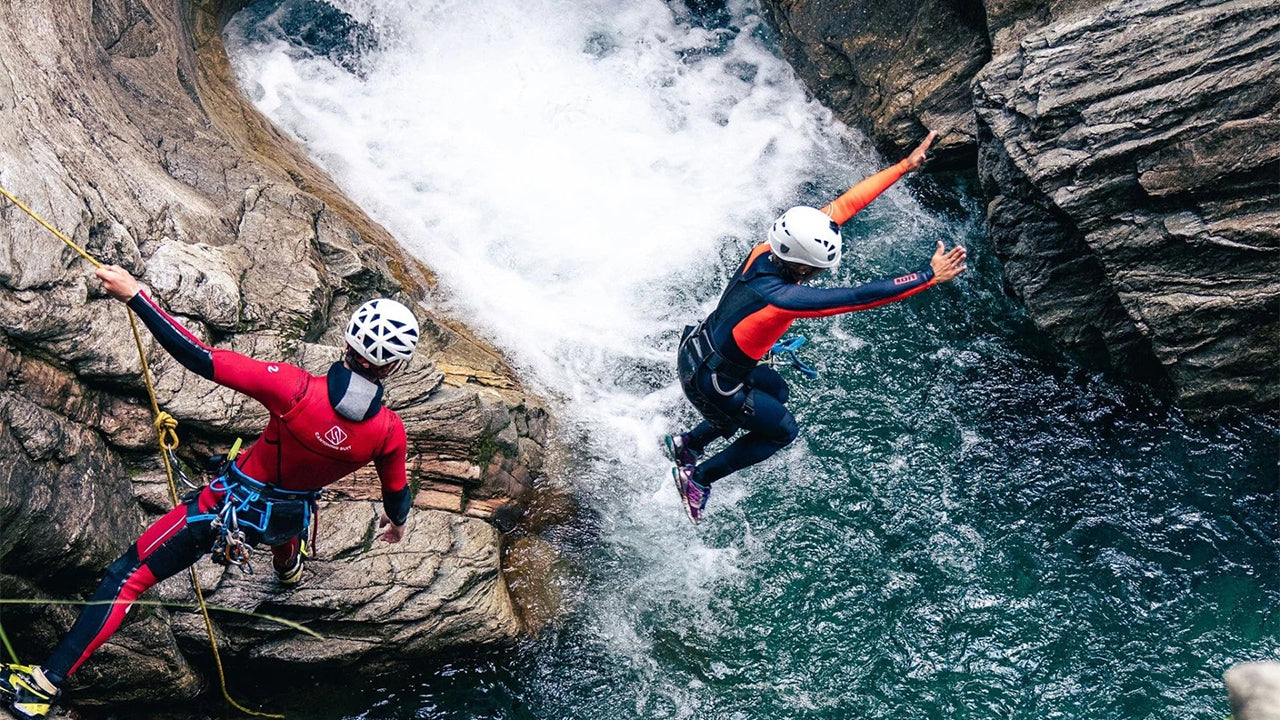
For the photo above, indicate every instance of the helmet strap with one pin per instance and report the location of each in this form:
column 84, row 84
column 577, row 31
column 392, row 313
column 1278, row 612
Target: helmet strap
column 369, row 371
column 793, row 271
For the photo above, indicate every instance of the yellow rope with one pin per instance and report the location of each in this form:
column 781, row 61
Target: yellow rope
column 50, row 228
column 160, row 603
column 167, row 436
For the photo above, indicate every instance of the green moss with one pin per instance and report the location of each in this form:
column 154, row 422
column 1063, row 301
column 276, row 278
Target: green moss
column 367, row 544
column 487, row 448
column 415, row 482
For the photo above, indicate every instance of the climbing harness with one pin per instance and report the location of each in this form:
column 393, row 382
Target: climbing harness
column 270, row 514
column 166, row 434
column 696, row 340
column 783, row 354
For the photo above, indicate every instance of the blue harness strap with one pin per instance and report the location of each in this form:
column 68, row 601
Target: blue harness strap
column 249, row 503
column 783, row 352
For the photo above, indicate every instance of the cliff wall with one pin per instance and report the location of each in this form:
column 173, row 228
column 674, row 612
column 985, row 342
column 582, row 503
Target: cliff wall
column 1127, row 150
column 120, row 124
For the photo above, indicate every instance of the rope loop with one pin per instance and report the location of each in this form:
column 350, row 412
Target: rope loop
column 167, row 426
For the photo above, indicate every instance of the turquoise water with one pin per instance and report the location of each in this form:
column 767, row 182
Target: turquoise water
column 971, row 524
column 972, row 527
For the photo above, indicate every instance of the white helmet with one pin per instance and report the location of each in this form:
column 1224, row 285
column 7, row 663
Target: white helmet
column 807, row 236
column 383, row 331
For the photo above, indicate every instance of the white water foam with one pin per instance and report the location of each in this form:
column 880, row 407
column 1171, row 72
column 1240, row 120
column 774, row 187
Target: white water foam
column 582, row 175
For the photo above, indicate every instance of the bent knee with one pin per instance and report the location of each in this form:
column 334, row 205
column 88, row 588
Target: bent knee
column 787, row 430
column 118, row 573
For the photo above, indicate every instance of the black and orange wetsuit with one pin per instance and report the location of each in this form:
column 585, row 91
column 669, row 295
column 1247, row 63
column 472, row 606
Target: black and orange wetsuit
column 321, row 429
column 718, row 359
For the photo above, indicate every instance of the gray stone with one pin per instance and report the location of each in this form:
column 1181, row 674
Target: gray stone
column 1128, row 151
column 1254, row 690
column 1136, row 217
column 891, row 69
column 125, row 131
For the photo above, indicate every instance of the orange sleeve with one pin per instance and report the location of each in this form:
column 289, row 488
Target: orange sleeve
column 861, row 195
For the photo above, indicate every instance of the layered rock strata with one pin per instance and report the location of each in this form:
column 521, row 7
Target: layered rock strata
column 120, row 123
column 1132, row 162
column 1128, row 152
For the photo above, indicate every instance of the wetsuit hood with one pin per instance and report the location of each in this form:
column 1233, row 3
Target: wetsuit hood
column 352, row 396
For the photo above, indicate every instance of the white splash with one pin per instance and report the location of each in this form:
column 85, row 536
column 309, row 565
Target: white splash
column 581, row 174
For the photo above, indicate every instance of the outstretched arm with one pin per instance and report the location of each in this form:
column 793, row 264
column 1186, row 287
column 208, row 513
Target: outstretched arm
column 861, row 195
column 275, row 385
column 798, row 300
column 185, row 347
column 801, row 301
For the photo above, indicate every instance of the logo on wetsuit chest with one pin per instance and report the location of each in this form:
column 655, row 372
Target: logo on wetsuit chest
column 334, row 437
column 906, row 279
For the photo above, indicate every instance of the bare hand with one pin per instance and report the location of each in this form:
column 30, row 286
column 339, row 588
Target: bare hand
column 393, row 532
column 117, row 281
column 917, row 156
column 947, row 264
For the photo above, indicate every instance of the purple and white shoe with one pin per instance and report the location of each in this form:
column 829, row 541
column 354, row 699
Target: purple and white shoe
column 678, row 450
column 692, row 494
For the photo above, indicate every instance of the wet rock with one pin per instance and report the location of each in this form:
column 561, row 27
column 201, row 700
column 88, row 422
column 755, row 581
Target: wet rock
column 891, row 69
column 1128, row 152
column 373, row 602
column 120, row 124
column 1130, row 158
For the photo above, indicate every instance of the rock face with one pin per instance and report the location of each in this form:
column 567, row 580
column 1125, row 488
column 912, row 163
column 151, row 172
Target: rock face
column 1132, row 158
column 120, row 124
column 891, row 69
column 1128, row 152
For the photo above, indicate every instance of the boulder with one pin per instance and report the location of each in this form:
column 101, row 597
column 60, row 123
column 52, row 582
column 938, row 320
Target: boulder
column 891, row 69
column 1127, row 151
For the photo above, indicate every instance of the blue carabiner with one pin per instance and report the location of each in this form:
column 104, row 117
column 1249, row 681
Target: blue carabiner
column 786, row 349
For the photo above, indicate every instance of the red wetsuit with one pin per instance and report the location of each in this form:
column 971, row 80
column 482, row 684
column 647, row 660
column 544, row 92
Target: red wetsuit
column 321, row 429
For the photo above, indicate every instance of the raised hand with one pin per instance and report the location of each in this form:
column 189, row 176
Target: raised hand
column 947, row 264
column 917, row 156
column 117, row 281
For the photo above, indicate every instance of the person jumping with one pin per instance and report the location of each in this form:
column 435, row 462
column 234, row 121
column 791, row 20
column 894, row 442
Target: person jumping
column 718, row 361
column 321, row 429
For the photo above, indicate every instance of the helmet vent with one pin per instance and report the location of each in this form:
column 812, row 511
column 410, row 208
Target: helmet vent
column 784, row 248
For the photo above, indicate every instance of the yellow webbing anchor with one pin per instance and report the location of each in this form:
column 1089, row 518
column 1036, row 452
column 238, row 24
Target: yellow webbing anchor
column 167, row 436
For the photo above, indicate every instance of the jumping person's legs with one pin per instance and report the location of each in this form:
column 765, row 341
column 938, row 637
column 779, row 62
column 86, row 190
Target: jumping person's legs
column 767, row 380
column 762, row 378
column 701, row 435
column 770, row 427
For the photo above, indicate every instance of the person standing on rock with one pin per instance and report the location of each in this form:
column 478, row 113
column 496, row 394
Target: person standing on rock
column 321, row 429
column 718, row 359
